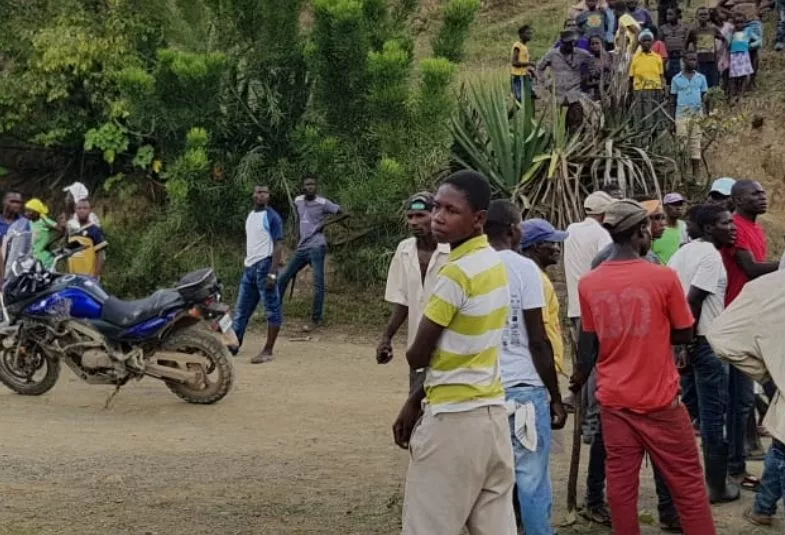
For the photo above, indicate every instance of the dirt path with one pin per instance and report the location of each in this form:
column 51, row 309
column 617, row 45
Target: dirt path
column 302, row 445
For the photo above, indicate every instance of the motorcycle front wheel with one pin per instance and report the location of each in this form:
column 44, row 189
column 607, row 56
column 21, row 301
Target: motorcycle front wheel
column 31, row 373
column 217, row 378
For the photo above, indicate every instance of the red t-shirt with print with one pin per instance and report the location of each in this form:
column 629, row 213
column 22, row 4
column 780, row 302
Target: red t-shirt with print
column 749, row 237
column 632, row 306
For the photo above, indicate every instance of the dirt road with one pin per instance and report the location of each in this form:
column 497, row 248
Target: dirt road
column 302, row 445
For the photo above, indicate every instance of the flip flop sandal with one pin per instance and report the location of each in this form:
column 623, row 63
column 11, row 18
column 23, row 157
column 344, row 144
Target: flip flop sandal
column 748, row 482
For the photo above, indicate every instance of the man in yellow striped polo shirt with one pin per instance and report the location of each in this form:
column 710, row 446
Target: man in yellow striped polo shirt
column 461, row 471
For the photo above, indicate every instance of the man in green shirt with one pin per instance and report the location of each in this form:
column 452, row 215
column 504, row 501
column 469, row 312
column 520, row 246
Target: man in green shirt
column 675, row 234
column 45, row 231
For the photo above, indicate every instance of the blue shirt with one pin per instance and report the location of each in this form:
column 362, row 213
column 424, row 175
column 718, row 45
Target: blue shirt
column 743, row 40
column 689, row 94
column 5, row 225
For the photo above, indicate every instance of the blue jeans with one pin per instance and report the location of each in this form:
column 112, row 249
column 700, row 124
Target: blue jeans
column 532, row 468
column 780, row 38
column 253, row 288
column 741, row 400
column 772, row 482
column 303, row 257
column 711, row 379
column 689, row 392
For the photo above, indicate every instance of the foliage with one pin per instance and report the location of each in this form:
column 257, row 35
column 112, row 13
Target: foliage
column 458, row 18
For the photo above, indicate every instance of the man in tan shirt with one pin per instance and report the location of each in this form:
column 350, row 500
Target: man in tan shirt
column 749, row 335
column 412, row 274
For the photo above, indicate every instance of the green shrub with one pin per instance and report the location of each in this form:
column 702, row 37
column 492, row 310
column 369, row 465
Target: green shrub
column 458, row 18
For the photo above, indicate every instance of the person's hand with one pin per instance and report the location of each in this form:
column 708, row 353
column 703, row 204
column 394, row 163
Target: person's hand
column 404, row 424
column 384, row 351
column 577, row 381
column 558, row 415
column 271, row 281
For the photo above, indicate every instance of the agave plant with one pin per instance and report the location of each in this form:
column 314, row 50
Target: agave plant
column 497, row 139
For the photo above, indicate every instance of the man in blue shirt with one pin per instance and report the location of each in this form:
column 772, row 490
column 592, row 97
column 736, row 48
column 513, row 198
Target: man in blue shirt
column 312, row 212
column 264, row 234
column 688, row 91
column 12, row 210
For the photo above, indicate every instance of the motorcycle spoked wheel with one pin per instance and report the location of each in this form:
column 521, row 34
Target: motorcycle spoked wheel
column 32, row 374
column 218, row 377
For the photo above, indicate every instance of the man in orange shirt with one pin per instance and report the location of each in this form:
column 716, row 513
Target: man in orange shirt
column 631, row 313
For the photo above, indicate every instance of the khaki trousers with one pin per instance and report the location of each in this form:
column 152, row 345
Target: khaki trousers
column 461, row 474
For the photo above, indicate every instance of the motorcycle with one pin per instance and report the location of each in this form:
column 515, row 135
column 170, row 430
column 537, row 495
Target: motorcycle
column 178, row 335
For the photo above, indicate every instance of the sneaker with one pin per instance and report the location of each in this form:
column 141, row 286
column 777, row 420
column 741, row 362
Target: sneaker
column 598, row 514
column 310, row 327
column 234, row 350
column 758, row 520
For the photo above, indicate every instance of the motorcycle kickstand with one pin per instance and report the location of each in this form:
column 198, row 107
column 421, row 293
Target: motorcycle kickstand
column 116, row 391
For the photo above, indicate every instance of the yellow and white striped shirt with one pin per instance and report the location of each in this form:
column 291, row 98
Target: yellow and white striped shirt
column 471, row 300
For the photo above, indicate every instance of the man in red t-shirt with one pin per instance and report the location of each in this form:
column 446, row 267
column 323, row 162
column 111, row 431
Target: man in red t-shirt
column 635, row 311
column 744, row 261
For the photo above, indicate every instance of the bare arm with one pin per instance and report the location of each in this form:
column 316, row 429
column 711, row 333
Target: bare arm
column 695, row 298
column 277, row 256
column 751, row 267
column 680, row 337
column 419, row 354
column 384, row 351
column 541, row 351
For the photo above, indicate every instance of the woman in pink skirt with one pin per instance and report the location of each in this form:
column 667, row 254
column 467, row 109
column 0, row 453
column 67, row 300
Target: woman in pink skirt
column 740, row 63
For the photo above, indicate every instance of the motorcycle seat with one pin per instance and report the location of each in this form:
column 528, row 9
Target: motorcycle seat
column 129, row 313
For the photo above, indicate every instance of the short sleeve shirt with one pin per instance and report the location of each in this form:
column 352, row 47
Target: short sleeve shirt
column 471, row 300
column 646, row 70
column 674, row 36
column 585, row 240
column 749, row 237
column 632, row 306
column 523, row 57
column 262, row 229
column 552, row 318
column 312, row 213
column 592, row 23
column 526, row 293
column 689, row 92
column 704, row 39
column 699, row 264
column 670, row 241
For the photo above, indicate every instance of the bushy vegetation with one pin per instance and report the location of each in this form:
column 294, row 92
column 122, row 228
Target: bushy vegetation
column 191, row 103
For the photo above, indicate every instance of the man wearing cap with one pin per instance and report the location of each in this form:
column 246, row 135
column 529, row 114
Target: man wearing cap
column 45, row 231
column 720, row 192
column 528, row 372
column 675, row 233
column 411, row 276
column 540, row 243
column 631, row 313
column 656, row 218
column 570, row 67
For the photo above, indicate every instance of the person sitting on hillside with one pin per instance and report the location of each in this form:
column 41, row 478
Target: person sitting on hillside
column 522, row 66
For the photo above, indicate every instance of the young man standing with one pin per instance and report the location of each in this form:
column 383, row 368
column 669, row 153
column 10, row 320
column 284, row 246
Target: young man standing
column 688, row 102
column 631, row 312
column 264, row 237
column 540, row 243
column 312, row 213
column 675, row 233
column 411, row 277
column 522, row 66
column 528, row 372
column 744, row 261
column 749, row 336
column 12, row 211
column 720, row 193
column 461, row 472
column 701, row 39
column 704, row 281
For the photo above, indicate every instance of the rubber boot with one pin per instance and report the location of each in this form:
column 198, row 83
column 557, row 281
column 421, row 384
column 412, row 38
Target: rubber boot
column 721, row 490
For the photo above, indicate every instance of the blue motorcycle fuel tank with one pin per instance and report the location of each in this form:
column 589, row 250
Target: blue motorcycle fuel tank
column 72, row 295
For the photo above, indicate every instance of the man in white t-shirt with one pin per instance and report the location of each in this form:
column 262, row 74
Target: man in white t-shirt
column 585, row 240
column 528, row 372
column 264, row 235
column 704, row 279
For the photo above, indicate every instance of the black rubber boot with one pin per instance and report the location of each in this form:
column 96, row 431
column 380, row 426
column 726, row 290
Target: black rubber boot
column 721, row 490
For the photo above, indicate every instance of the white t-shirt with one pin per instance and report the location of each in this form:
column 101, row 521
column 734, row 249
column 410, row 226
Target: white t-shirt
column 526, row 293
column 262, row 229
column 699, row 264
column 585, row 241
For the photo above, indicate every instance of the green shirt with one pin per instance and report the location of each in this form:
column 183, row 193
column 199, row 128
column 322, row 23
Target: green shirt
column 671, row 240
column 42, row 238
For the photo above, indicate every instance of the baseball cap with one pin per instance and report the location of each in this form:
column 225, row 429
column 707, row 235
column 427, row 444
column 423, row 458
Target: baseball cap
column 537, row 231
column 673, row 198
column 624, row 214
column 35, row 205
column 597, row 203
column 422, row 201
column 723, row 186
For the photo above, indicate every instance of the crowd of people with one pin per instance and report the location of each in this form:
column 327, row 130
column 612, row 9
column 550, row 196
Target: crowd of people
column 30, row 222
column 670, row 66
column 658, row 306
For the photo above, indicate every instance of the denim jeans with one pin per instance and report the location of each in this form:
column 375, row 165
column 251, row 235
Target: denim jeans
column 595, row 482
column 303, row 257
column 689, row 392
column 711, row 378
column 780, row 38
column 741, row 399
column 532, row 468
column 253, row 288
column 772, row 482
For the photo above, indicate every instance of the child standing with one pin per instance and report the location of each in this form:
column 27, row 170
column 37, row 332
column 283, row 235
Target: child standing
column 741, row 69
column 522, row 66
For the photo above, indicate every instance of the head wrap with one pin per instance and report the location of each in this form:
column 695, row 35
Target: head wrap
column 35, row 205
column 78, row 191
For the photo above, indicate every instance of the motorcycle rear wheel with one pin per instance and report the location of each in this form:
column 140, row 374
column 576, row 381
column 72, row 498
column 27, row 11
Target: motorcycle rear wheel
column 196, row 340
column 23, row 380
